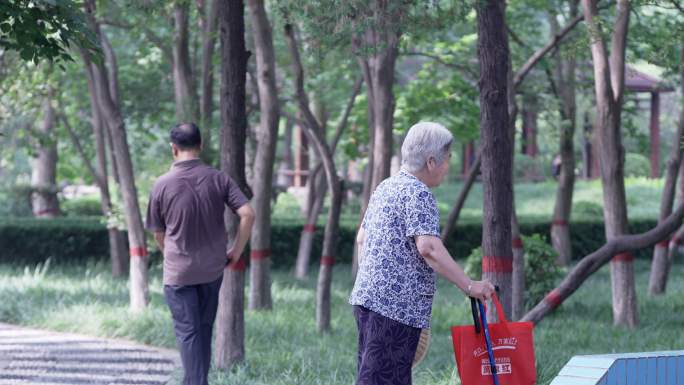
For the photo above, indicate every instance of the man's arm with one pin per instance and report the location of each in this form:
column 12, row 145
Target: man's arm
column 159, row 238
column 246, row 214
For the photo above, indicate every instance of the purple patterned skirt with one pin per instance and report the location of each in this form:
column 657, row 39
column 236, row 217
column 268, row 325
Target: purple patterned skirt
column 386, row 349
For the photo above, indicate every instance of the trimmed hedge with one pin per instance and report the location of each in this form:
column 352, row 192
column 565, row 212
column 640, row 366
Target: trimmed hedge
column 30, row 241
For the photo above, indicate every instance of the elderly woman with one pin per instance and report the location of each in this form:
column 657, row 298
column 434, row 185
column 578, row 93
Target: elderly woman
column 400, row 251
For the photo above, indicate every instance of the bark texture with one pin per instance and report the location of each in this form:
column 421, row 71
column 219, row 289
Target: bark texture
column 323, row 287
column 318, row 193
column 564, row 80
column 660, row 267
column 609, row 85
column 495, row 138
column 267, row 136
column 187, row 109
column 44, row 202
column 229, row 346
column 111, row 114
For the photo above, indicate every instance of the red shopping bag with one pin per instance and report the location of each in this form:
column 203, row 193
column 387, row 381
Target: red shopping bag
column 513, row 347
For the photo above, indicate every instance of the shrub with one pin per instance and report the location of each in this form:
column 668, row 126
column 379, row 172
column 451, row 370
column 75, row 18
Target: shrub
column 541, row 271
column 87, row 206
column 637, row 165
column 528, row 168
column 30, row 240
column 587, row 209
column 15, row 201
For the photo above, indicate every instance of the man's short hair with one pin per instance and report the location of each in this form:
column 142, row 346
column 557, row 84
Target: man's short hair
column 186, row 136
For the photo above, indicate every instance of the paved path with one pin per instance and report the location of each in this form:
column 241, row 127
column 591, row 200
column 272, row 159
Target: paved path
column 30, row 356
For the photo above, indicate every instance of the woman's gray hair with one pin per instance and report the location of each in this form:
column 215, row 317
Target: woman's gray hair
column 423, row 141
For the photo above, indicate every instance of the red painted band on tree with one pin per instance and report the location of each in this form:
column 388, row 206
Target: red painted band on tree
column 138, row 252
column 46, row 211
column 327, row 260
column 623, row 257
column 554, row 299
column 240, row 265
column 559, row 222
column 309, row 228
column 492, row 264
column 258, row 255
column 517, row 243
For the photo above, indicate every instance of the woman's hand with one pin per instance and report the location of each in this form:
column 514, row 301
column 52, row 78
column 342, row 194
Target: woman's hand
column 482, row 290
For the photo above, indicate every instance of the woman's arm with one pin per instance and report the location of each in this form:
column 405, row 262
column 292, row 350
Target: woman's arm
column 437, row 256
column 360, row 239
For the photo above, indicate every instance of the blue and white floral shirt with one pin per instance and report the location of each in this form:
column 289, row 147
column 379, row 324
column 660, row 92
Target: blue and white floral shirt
column 393, row 278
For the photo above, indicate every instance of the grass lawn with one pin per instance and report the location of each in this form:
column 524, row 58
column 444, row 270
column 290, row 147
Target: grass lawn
column 283, row 347
column 533, row 200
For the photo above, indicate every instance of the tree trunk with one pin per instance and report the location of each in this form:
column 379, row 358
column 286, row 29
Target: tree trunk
column 529, row 129
column 368, row 171
column 267, row 135
column 517, row 276
column 462, row 196
column 317, row 192
column 317, row 187
column 111, row 114
column 44, row 200
column 117, row 243
column 589, row 264
column 565, row 81
column 660, row 266
column 518, row 273
column 331, row 228
column 284, row 178
column 229, row 347
column 609, row 82
column 117, row 238
column 185, row 92
column 207, row 102
column 495, row 138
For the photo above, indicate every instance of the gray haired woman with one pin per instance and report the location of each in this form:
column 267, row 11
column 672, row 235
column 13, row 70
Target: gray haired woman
column 399, row 252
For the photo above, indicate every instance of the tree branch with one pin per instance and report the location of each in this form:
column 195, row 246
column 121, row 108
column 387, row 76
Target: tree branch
column 79, row 148
column 347, row 111
column 151, row 36
column 594, row 261
column 438, row 59
column 537, row 56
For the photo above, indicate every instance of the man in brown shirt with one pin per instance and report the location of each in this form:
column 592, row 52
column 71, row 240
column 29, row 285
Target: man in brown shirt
column 185, row 212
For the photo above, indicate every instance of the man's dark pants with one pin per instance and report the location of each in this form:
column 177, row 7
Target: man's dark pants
column 193, row 309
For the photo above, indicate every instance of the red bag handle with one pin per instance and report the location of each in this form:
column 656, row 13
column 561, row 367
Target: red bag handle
column 499, row 309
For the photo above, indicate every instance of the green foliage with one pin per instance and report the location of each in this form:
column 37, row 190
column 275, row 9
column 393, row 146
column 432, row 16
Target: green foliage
column 43, row 29
column 541, row 271
column 452, row 101
column 87, row 206
column 30, row 240
column 473, row 264
column 637, row 165
column 526, row 167
column 15, row 201
column 587, row 209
